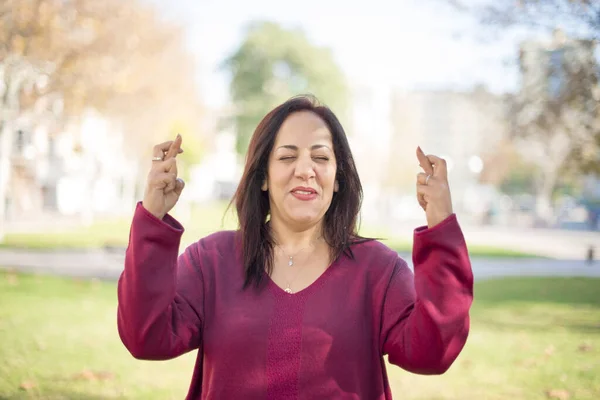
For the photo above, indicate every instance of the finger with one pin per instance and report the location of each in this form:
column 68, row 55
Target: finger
column 169, row 165
column 422, row 178
column 162, row 154
column 424, row 190
column 179, row 185
column 171, row 186
column 162, row 181
column 424, row 161
column 440, row 167
column 174, row 149
column 422, row 202
column 420, row 196
column 171, row 183
column 160, row 149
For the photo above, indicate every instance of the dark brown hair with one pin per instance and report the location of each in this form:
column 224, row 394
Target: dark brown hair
column 252, row 203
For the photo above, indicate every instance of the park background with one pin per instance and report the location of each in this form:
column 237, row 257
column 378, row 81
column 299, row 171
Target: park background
column 507, row 92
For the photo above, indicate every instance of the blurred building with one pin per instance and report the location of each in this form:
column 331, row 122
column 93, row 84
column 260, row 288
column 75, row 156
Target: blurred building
column 217, row 176
column 79, row 168
column 461, row 127
column 544, row 64
column 369, row 134
column 563, row 71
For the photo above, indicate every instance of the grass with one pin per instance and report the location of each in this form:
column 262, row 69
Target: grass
column 531, row 338
column 404, row 246
column 115, row 232
column 203, row 220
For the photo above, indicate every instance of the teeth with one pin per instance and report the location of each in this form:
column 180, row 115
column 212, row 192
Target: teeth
column 303, row 192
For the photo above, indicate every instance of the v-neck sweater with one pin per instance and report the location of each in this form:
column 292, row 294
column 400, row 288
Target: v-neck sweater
column 326, row 341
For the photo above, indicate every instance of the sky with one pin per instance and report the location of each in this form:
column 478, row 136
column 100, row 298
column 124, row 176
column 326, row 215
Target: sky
column 407, row 44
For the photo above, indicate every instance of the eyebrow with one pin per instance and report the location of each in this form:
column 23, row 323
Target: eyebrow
column 295, row 148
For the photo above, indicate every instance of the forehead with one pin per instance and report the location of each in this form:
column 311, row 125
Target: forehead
column 303, row 128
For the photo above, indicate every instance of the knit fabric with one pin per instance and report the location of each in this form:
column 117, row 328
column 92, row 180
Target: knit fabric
column 326, row 341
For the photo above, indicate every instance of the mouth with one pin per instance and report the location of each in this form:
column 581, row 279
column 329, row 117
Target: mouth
column 304, row 193
column 304, row 190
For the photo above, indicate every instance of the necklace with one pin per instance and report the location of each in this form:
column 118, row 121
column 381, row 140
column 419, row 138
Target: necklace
column 288, row 289
column 291, row 258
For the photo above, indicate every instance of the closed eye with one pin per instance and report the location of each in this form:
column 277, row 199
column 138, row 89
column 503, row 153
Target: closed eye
column 288, row 158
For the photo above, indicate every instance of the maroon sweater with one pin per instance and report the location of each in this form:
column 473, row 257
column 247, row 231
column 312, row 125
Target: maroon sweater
column 326, row 341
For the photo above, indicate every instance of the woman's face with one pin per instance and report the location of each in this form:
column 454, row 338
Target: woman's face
column 301, row 171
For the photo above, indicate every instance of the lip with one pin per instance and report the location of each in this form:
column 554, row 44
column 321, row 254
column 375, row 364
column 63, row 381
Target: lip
column 304, row 189
column 310, row 194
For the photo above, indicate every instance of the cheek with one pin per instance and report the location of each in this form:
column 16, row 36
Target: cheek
column 327, row 177
column 276, row 175
column 279, row 180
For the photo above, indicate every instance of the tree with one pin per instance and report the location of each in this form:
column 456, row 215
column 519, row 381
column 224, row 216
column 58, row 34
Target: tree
column 580, row 18
column 273, row 64
column 555, row 115
column 67, row 55
column 156, row 97
column 33, row 39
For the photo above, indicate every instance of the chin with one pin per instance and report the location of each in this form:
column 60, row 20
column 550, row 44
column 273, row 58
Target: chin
column 304, row 217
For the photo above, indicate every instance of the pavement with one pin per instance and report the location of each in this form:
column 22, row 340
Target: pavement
column 560, row 244
column 108, row 264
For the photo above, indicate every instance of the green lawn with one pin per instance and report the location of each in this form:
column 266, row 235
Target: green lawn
column 115, row 232
column 530, row 338
column 204, row 220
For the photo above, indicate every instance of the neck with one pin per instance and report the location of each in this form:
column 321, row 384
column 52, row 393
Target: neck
column 293, row 240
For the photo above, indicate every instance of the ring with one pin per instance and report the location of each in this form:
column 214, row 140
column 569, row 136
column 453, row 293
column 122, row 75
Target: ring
column 157, row 158
column 427, row 179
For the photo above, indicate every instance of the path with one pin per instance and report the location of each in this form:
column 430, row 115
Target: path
column 107, row 265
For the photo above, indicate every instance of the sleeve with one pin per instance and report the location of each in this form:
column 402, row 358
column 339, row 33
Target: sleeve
column 160, row 294
column 425, row 318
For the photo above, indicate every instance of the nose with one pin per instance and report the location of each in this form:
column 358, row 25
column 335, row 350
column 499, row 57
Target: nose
column 305, row 167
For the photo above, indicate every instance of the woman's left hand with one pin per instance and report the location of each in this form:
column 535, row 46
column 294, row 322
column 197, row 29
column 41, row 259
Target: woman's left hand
column 433, row 191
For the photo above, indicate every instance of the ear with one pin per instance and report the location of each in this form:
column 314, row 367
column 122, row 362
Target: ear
column 264, row 186
column 336, row 186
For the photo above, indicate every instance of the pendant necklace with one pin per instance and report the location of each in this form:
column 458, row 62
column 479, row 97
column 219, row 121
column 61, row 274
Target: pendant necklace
column 288, row 289
column 290, row 263
column 291, row 258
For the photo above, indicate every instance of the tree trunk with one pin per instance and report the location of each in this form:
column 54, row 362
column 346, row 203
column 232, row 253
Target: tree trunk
column 545, row 188
column 556, row 148
column 543, row 205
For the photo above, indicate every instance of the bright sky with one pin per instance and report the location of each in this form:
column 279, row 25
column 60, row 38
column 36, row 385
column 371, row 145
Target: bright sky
column 379, row 43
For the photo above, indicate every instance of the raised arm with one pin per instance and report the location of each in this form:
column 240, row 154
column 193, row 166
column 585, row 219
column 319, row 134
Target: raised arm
column 425, row 319
column 159, row 293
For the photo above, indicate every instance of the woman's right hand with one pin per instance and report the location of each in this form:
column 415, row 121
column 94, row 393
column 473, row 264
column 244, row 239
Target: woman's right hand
column 163, row 188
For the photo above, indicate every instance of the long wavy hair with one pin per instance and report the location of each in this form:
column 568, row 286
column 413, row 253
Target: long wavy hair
column 340, row 228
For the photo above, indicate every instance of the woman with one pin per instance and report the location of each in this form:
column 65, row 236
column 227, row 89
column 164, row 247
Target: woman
column 295, row 304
